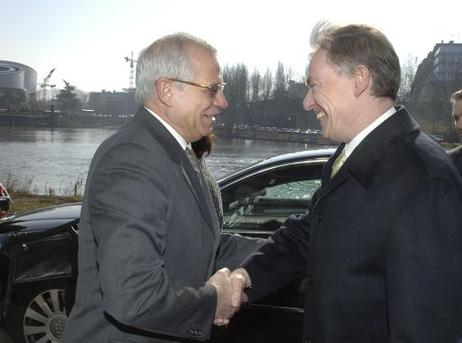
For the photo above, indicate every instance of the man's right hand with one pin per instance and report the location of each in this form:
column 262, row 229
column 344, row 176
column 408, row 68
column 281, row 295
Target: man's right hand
column 230, row 292
column 225, row 309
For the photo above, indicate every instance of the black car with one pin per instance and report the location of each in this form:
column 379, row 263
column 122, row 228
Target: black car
column 38, row 254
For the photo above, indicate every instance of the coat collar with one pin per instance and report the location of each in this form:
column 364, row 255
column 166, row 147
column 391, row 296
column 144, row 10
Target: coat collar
column 161, row 134
column 177, row 155
column 365, row 159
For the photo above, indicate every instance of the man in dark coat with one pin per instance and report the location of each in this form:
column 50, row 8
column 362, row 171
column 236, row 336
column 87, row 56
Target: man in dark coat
column 381, row 242
column 456, row 153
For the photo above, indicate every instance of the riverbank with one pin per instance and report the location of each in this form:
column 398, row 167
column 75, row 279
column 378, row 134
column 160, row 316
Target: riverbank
column 25, row 201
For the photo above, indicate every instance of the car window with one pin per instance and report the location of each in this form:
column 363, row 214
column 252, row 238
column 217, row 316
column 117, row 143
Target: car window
column 262, row 202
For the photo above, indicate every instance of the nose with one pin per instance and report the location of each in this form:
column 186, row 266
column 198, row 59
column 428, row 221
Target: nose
column 308, row 102
column 220, row 100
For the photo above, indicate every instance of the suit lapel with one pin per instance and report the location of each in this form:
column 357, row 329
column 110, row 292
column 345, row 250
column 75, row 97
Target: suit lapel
column 328, row 184
column 177, row 154
column 200, row 192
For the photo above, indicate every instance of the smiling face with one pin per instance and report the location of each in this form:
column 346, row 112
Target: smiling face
column 331, row 98
column 193, row 109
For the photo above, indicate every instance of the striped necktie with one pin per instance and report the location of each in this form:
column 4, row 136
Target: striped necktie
column 195, row 163
column 341, row 158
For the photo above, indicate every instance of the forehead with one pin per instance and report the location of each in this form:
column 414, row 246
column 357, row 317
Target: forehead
column 315, row 61
column 204, row 64
column 458, row 106
column 320, row 66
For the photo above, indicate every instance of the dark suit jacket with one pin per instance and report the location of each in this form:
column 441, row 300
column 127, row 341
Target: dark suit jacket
column 381, row 244
column 456, row 156
column 149, row 239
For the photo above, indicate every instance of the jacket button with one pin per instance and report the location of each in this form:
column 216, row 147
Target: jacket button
column 309, row 279
column 195, row 332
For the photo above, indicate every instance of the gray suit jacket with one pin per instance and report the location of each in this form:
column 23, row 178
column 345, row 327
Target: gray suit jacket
column 149, row 240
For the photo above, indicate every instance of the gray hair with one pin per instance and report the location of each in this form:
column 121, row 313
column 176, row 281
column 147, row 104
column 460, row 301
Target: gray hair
column 167, row 57
column 353, row 45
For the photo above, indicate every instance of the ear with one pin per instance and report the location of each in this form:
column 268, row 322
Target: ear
column 165, row 91
column 362, row 77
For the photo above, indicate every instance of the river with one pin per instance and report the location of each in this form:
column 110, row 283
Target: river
column 44, row 160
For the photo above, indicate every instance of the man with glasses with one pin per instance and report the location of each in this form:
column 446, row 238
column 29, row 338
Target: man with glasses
column 150, row 241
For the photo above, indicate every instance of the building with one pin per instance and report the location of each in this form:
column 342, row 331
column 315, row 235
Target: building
column 18, row 85
column 296, row 90
column 113, row 103
column 436, row 78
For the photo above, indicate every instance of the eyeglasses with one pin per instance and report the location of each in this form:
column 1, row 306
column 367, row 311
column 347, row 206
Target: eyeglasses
column 213, row 89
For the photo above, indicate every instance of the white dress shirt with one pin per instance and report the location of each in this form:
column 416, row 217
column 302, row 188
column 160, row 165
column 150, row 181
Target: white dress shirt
column 172, row 130
column 350, row 146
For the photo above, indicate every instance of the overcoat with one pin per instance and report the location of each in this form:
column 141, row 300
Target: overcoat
column 380, row 244
column 456, row 156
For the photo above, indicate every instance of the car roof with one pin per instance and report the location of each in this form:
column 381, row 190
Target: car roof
column 296, row 156
column 284, row 159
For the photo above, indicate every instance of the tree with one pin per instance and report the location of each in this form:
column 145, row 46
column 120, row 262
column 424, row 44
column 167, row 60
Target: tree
column 408, row 70
column 267, row 84
column 237, row 93
column 255, row 86
column 281, row 82
column 68, row 98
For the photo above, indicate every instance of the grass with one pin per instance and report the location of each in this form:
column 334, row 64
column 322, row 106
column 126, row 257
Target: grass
column 24, row 201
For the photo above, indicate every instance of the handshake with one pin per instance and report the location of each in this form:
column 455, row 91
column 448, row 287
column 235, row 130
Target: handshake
column 230, row 292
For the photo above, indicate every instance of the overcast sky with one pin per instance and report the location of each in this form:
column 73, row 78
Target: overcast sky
column 87, row 40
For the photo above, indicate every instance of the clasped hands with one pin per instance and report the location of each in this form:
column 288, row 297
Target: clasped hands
column 230, row 293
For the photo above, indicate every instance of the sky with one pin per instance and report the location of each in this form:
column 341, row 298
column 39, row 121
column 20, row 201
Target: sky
column 87, row 40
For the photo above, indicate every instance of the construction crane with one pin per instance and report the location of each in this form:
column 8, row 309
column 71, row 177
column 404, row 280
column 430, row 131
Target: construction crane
column 46, row 84
column 132, row 69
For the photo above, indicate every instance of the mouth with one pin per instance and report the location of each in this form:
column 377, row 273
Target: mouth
column 321, row 116
column 211, row 117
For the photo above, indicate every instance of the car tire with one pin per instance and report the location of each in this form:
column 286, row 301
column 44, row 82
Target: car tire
column 38, row 312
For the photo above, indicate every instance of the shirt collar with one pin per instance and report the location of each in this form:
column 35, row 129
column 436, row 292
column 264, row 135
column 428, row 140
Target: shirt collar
column 172, row 130
column 350, row 146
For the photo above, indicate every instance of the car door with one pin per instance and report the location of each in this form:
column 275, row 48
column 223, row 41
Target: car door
column 256, row 205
